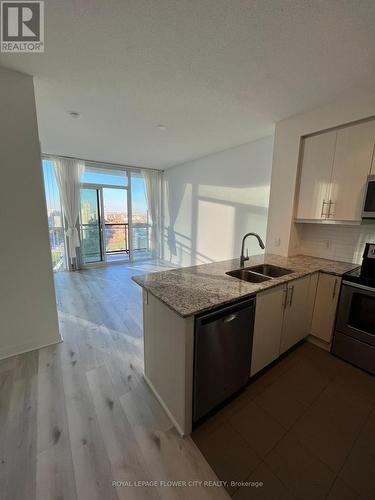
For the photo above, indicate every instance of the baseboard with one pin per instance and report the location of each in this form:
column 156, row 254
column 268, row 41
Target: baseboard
column 165, row 407
column 26, row 347
column 319, row 343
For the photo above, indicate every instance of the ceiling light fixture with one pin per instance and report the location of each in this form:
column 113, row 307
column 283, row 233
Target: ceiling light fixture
column 74, row 114
column 161, row 127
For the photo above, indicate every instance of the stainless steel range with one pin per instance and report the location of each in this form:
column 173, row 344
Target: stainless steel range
column 354, row 338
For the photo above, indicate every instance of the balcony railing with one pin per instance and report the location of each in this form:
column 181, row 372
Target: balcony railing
column 116, row 237
column 115, row 240
column 141, row 237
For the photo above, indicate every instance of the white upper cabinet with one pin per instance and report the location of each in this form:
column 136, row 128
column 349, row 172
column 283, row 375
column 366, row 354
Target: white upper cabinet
column 317, row 161
column 351, row 166
column 333, row 172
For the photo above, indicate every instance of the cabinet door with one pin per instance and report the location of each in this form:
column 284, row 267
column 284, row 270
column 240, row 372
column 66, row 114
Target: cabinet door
column 351, row 166
column 297, row 320
column 267, row 328
column 315, row 175
column 325, row 306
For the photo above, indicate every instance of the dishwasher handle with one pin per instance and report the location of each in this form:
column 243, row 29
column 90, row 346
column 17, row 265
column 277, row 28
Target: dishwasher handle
column 226, row 314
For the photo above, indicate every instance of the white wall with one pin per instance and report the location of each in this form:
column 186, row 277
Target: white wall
column 210, row 203
column 28, row 316
column 283, row 236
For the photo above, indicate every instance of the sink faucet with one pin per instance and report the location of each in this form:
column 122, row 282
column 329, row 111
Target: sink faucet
column 261, row 244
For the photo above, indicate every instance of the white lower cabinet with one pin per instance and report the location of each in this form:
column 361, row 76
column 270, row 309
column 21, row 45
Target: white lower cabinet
column 297, row 313
column 282, row 318
column 325, row 307
column 267, row 327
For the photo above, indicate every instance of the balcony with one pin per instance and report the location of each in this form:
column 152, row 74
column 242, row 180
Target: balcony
column 116, row 240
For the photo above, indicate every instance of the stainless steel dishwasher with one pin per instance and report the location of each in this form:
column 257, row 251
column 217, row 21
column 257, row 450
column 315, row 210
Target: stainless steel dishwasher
column 223, row 342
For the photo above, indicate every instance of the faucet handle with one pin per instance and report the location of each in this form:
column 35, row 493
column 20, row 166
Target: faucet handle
column 247, row 254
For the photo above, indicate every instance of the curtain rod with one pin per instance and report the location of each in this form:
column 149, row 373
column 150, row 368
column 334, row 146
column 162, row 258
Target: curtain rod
column 106, row 163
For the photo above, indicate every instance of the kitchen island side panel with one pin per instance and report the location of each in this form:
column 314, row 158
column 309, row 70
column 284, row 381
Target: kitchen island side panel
column 168, row 360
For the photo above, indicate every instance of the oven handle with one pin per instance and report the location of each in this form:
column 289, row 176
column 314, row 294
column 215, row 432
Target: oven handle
column 361, row 287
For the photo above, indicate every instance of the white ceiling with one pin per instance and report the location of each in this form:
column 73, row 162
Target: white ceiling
column 218, row 73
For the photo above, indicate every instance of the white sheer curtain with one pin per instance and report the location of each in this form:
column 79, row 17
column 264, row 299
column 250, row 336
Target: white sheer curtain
column 68, row 174
column 153, row 195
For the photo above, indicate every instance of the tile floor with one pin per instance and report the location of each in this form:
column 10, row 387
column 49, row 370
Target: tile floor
column 305, row 429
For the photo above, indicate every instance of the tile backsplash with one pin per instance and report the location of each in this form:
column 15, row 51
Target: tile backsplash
column 335, row 241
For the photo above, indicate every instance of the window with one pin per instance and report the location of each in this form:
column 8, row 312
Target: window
column 95, row 174
column 140, row 218
column 55, row 217
column 114, row 222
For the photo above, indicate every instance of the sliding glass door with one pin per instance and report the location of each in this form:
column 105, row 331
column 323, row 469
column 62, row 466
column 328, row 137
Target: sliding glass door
column 91, row 226
column 105, row 215
column 114, row 219
column 116, row 224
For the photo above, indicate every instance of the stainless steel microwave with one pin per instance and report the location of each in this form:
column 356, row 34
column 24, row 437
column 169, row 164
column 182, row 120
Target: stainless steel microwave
column 369, row 204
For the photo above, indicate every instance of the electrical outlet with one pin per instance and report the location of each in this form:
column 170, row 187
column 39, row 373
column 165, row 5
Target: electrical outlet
column 276, row 242
column 328, row 244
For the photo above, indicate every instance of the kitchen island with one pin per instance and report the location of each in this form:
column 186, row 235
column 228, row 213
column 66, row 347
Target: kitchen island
column 171, row 301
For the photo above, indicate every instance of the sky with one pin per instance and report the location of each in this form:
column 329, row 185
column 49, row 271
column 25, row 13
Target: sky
column 114, row 199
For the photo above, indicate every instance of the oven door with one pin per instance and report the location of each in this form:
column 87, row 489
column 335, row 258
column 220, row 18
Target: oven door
column 356, row 312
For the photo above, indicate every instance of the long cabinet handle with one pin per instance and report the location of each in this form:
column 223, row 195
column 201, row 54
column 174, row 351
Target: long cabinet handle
column 285, row 297
column 322, row 214
column 291, row 296
column 330, row 203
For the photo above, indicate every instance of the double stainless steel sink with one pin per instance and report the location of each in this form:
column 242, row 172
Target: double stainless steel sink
column 260, row 273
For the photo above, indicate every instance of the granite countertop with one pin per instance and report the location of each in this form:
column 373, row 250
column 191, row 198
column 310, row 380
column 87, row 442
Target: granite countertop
column 192, row 290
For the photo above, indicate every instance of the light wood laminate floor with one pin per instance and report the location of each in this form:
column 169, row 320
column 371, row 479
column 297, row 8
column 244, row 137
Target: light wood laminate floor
column 77, row 416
